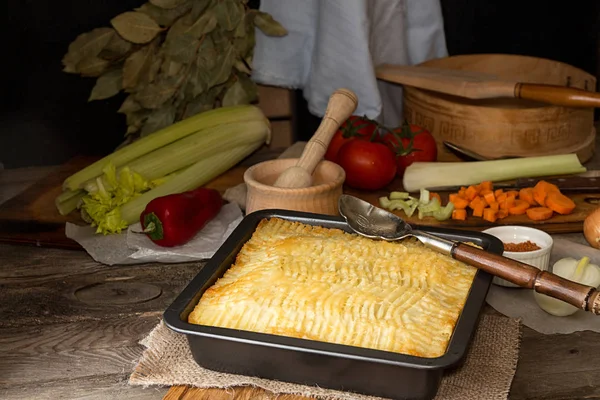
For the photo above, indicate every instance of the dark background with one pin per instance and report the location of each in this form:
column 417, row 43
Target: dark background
column 46, row 118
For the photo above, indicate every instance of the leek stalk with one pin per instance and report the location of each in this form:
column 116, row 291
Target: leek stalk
column 209, row 119
column 421, row 175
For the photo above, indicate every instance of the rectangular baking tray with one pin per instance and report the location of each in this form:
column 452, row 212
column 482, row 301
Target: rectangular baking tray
column 308, row 362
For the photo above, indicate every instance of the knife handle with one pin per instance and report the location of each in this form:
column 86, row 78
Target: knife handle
column 557, row 95
column 570, row 184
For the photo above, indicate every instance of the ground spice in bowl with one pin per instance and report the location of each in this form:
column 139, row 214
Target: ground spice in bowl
column 521, row 247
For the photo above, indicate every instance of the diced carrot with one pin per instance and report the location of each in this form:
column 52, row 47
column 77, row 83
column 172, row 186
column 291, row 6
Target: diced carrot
column 539, row 213
column 459, row 214
column 559, row 203
column 475, row 202
column 478, row 210
column 514, row 193
column 526, row 194
column 494, row 206
column 498, row 192
column 487, row 185
column 490, row 215
column 460, row 203
column 452, row 197
column 471, row 192
column 519, row 207
column 502, row 213
column 489, row 197
column 501, row 197
column 541, row 190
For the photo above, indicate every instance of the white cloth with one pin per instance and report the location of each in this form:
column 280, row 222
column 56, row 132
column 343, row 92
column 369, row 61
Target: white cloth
column 337, row 43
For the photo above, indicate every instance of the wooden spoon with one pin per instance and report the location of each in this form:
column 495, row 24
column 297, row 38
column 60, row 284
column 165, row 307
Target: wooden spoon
column 477, row 85
column 342, row 104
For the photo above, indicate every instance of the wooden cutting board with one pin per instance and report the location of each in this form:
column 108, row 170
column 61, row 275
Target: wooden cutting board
column 31, row 217
column 572, row 223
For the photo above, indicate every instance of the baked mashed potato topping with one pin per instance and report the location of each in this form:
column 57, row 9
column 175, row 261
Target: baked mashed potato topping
column 323, row 284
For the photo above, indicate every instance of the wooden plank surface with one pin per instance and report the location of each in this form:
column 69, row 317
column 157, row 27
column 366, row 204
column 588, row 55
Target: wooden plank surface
column 60, row 339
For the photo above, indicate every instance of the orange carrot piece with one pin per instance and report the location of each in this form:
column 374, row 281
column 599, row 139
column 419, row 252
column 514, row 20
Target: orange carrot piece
column 478, row 210
column 526, row 194
column 502, row 213
column 433, row 195
column 501, row 197
column 459, row 214
column 489, row 197
column 559, row 203
column 452, row 197
column 490, row 215
column 494, row 206
column 514, row 193
column 487, row 185
column 460, row 203
column 498, row 192
column 519, row 207
column 539, row 213
column 475, row 202
column 508, row 202
column 471, row 192
column 541, row 190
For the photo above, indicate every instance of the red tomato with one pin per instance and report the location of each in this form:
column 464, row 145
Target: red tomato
column 368, row 165
column 355, row 127
column 411, row 143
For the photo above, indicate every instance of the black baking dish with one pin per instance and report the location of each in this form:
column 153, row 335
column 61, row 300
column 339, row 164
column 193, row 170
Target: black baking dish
column 334, row 366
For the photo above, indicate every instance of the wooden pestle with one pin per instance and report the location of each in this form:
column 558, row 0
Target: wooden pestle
column 342, row 104
column 581, row 296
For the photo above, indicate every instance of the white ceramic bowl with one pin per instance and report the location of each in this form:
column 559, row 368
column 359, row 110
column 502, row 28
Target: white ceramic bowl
column 517, row 234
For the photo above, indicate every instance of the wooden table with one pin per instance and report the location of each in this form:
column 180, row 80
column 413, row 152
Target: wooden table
column 70, row 327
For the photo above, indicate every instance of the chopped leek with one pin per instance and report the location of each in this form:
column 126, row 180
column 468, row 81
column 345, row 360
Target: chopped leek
column 445, row 212
column 399, row 195
column 424, row 205
column 421, row 175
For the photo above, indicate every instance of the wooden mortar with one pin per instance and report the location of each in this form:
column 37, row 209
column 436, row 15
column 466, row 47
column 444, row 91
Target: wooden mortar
column 320, row 198
column 499, row 127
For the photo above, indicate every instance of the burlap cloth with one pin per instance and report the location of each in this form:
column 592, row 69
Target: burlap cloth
column 487, row 372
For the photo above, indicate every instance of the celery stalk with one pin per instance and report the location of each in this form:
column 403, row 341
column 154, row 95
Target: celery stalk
column 68, row 201
column 163, row 137
column 194, row 176
column 432, row 174
column 191, row 149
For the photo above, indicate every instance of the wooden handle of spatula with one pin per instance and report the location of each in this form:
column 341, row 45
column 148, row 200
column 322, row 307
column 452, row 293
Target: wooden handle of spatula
column 342, row 104
column 581, row 296
column 557, row 95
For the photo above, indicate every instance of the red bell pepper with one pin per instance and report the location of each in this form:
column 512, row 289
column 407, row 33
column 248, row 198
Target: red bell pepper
column 175, row 219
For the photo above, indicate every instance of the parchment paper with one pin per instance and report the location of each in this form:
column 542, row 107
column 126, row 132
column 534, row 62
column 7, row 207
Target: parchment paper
column 519, row 302
column 134, row 248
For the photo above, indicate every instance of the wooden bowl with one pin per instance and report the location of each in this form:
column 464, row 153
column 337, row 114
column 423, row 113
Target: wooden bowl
column 501, row 127
column 321, row 198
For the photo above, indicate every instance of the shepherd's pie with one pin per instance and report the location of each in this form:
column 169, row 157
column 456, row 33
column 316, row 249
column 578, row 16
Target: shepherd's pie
column 323, row 284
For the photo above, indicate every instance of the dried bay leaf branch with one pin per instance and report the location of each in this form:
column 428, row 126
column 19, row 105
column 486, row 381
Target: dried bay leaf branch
column 107, row 85
column 168, row 4
column 229, row 14
column 136, row 27
column 268, row 25
column 136, row 65
column 159, row 119
column 175, row 58
column 85, row 46
column 116, row 49
column 165, row 17
column 92, row 66
column 203, row 25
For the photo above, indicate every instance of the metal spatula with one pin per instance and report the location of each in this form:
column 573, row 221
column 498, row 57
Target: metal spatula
column 377, row 223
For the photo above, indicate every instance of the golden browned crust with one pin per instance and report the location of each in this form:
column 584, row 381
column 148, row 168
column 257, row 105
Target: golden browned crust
column 323, row 284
